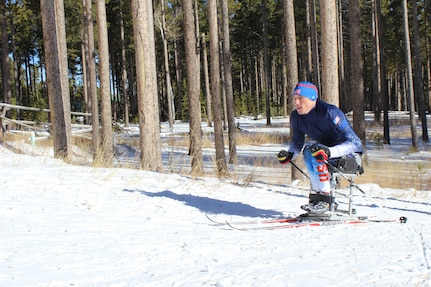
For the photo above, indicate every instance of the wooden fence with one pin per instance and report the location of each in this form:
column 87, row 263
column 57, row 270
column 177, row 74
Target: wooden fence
column 32, row 126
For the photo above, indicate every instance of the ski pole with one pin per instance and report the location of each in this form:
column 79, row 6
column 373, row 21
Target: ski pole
column 345, row 177
column 402, row 219
column 299, row 169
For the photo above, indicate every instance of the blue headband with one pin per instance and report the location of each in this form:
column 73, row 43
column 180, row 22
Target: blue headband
column 306, row 89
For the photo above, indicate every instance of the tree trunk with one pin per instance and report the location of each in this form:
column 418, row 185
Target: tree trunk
column 377, row 79
column 291, row 52
column 169, row 92
column 328, row 18
column 356, row 68
column 315, row 46
column 146, row 78
column 5, row 57
column 419, row 85
column 85, row 76
column 107, row 148
column 382, row 96
column 428, row 60
column 133, row 96
column 179, row 96
column 206, row 81
column 292, row 61
column 266, row 62
column 124, row 70
column 222, row 85
column 344, row 102
column 410, row 91
column 193, row 90
column 16, row 65
column 90, row 76
column 285, row 84
column 256, row 74
column 54, row 39
column 309, row 66
column 274, row 92
column 233, row 157
column 215, row 87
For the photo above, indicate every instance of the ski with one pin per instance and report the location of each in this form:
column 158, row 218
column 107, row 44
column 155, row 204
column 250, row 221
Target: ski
column 276, row 220
column 249, row 222
column 297, row 222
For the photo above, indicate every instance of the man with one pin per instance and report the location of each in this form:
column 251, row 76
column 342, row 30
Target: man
column 329, row 128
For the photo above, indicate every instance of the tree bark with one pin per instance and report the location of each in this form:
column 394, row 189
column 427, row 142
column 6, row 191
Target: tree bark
column 7, row 92
column 381, row 96
column 124, row 70
column 419, row 84
column 90, row 77
column 356, row 68
column 266, row 62
column 291, row 62
column 376, row 96
column 410, row 90
column 330, row 80
column 206, row 81
column 215, row 88
column 146, row 78
column 344, row 102
column 233, row 157
column 315, row 46
column 309, row 60
column 107, row 148
column 193, row 90
column 54, row 39
column 427, row 72
column 169, row 92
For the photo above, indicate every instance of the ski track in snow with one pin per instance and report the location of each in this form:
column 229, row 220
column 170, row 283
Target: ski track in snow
column 64, row 225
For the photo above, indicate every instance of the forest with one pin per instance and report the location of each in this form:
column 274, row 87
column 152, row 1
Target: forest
column 146, row 62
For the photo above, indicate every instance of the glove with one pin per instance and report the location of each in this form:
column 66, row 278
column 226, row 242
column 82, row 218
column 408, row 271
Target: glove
column 320, row 152
column 285, row 157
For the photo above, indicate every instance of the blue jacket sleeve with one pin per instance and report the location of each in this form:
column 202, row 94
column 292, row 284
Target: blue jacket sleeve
column 352, row 142
column 298, row 137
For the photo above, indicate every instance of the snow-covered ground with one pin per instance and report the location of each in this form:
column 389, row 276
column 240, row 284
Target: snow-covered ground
column 76, row 225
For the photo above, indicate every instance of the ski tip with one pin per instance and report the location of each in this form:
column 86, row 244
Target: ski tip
column 403, row 219
column 234, row 227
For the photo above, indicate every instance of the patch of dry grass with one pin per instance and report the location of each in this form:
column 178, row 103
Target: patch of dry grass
column 16, row 136
column 387, row 174
column 260, row 138
column 207, row 140
column 395, row 174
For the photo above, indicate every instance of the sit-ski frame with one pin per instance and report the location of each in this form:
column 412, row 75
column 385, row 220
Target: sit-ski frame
column 347, row 176
column 350, row 178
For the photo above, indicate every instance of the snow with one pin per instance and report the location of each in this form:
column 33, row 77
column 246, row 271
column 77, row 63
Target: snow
column 76, row 225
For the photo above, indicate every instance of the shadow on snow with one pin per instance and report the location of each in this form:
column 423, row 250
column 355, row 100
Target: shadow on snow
column 213, row 206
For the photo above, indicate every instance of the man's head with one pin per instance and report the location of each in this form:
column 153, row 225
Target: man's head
column 304, row 97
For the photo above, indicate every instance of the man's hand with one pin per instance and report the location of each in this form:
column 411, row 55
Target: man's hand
column 285, row 157
column 320, row 152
